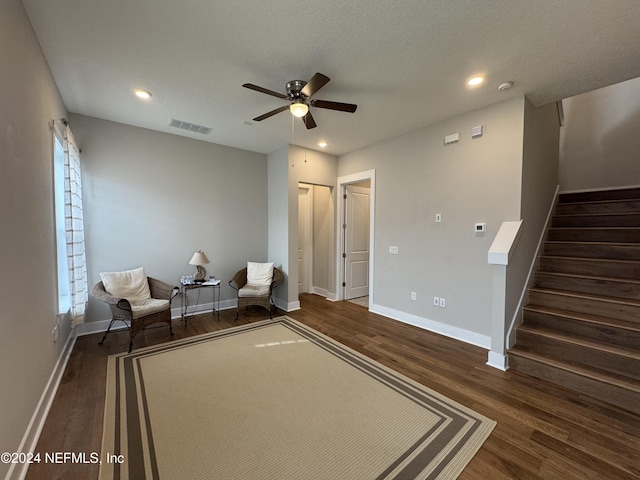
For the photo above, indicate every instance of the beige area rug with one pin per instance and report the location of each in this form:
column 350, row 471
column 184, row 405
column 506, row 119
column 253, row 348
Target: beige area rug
column 277, row 400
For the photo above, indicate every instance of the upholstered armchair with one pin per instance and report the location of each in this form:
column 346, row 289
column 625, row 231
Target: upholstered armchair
column 135, row 299
column 254, row 285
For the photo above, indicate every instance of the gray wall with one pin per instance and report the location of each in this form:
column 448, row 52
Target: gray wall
column 288, row 167
column 315, row 168
column 600, row 142
column 474, row 180
column 278, row 202
column 29, row 99
column 152, row 199
column 539, row 184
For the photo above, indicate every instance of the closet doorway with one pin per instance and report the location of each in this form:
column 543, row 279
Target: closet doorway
column 316, row 220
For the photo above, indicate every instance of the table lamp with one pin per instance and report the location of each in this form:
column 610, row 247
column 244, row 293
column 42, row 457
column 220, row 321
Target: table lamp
column 198, row 259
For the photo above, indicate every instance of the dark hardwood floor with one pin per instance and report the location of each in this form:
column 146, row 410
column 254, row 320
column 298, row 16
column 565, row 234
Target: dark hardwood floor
column 544, row 431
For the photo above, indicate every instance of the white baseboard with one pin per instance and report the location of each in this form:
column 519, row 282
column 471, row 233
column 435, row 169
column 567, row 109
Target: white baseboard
column 324, row 293
column 292, row 306
column 18, row 471
column 100, row 326
column 498, row 361
column 319, row 291
column 456, row 333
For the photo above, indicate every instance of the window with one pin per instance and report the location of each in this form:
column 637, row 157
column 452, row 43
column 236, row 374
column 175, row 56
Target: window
column 64, row 290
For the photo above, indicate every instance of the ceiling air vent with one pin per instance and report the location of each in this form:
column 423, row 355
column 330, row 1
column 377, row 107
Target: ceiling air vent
column 190, row 127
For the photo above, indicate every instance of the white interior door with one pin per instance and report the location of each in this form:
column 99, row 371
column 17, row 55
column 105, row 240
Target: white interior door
column 357, row 241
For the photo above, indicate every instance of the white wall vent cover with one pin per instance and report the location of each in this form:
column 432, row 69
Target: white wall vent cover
column 191, row 127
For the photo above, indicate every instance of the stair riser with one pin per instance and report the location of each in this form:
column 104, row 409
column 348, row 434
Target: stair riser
column 606, row 392
column 578, row 354
column 582, row 329
column 593, row 250
column 628, row 206
column 611, row 288
column 619, row 311
column 608, row 220
column 621, row 235
column 601, row 196
column 583, row 266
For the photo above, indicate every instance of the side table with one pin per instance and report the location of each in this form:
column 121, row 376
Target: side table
column 214, row 285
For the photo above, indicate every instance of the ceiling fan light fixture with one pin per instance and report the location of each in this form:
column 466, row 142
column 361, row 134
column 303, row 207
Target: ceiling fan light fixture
column 298, row 109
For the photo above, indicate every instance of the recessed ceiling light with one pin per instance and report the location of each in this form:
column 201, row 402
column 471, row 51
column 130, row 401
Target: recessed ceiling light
column 140, row 93
column 475, row 81
column 322, row 144
column 505, row 86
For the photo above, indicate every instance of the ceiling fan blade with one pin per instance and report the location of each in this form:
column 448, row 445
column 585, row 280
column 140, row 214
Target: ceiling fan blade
column 251, row 86
column 309, row 122
column 316, row 83
column 271, row 113
column 343, row 107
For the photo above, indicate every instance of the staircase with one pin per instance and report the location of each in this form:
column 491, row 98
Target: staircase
column 581, row 327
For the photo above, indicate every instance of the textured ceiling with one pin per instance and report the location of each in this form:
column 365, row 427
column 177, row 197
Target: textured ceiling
column 403, row 62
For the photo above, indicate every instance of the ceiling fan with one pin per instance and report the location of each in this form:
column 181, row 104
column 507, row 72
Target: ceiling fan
column 299, row 95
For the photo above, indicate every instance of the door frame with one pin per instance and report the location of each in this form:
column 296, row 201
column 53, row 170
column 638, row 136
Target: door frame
column 340, row 234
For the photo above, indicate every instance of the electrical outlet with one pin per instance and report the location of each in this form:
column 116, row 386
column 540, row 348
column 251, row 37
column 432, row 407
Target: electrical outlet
column 443, row 302
column 413, row 296
column 393, row 249
column 436, row 301
column 54, row 334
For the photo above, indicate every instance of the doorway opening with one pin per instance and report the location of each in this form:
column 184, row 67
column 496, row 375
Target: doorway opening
column 355, row 272
column 316, row 220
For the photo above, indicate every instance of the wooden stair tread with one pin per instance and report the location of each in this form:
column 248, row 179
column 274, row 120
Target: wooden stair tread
column 589, row 296
column 600, row 202
column 605, row 244
column 631, row 353
column 590, row 277
column 627, row 193
column 590, row 259
column 588, row 372
column 597, row 214
column 585, row 317
column 594, row 227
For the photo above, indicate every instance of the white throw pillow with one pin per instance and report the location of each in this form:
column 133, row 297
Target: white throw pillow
column 130, row 284
column 259, row 273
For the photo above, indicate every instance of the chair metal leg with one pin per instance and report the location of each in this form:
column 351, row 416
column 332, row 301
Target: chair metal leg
column 107, row 332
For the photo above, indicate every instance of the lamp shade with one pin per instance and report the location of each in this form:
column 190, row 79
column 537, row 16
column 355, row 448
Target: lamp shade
column 298, row 109
column 199, row 258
